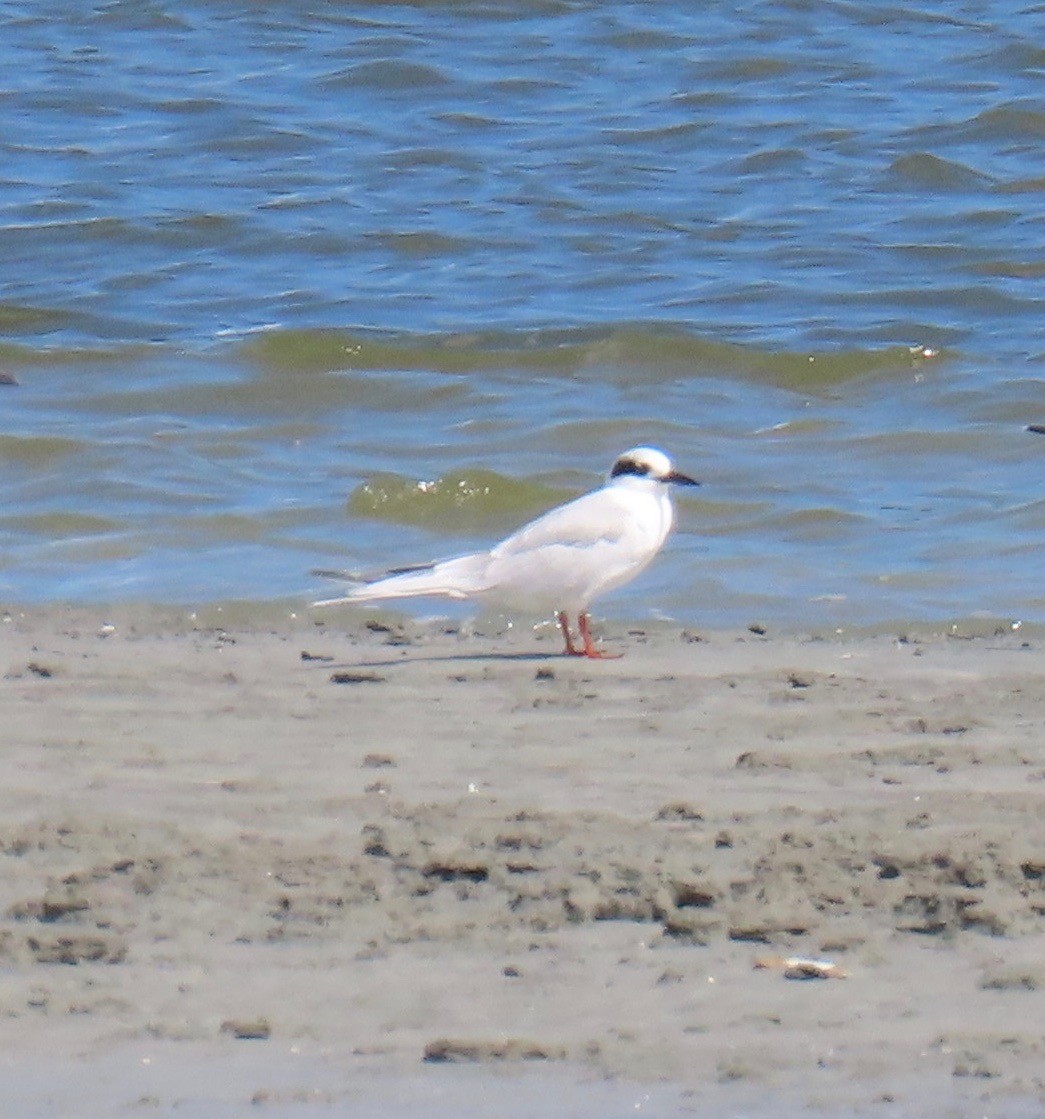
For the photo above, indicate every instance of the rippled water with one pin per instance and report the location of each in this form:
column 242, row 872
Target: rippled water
column 264, row 268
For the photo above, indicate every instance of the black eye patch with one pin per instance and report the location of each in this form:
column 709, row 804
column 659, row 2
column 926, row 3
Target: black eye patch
column 629, row 466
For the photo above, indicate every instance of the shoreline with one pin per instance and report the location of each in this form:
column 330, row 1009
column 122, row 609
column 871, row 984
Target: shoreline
column 295, row 615
column 321, row 851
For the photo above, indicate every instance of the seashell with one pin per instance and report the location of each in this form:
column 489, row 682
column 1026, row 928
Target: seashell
column 798, row 967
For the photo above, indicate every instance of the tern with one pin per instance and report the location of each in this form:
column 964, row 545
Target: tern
column 561, row 562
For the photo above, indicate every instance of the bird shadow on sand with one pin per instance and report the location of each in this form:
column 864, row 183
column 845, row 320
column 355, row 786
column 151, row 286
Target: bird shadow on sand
column 441, row 658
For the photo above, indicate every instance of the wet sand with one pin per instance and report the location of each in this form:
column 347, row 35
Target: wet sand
column 311, row 868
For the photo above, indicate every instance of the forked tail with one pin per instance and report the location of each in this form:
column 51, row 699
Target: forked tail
column 456, row 578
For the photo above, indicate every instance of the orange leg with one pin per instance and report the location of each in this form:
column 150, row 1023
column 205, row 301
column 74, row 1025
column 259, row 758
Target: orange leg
column 564, row 625
column 590, row 650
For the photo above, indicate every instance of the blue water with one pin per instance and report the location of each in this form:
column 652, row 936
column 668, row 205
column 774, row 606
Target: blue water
column 799, row 245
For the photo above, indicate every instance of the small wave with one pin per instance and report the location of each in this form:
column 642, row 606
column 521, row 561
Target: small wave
column 1012, row 269
column 641, row 354
column 755, row 68
column 816, row 525
column 20, row 355
column 930, row 172
column 387, row 75
column 422, row 244
column 63, row 525
column 17, row 318
column 1015, row 120
column 1020, row 121
column 1034, row 185
column 36, row 450
column 457, row 502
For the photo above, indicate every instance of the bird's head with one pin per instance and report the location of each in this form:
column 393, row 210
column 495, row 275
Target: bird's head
column 648, row 462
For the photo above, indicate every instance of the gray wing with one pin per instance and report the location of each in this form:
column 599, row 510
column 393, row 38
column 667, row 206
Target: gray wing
column 594, row 518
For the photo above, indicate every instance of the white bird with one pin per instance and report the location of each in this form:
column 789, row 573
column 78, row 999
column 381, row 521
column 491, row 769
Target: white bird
column 561, row 562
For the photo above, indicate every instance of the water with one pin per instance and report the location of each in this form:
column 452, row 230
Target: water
column 266, row 267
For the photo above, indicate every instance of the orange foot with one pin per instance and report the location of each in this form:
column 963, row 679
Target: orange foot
column 588, row 649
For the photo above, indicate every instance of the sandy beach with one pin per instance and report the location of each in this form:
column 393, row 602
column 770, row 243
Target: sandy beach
column 286, row 865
